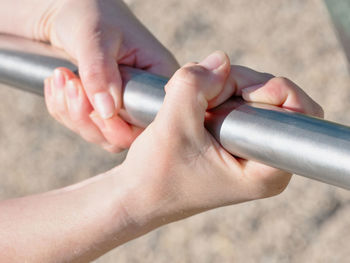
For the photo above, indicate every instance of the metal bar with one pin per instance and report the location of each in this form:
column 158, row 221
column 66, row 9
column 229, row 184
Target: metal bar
column 290, row 141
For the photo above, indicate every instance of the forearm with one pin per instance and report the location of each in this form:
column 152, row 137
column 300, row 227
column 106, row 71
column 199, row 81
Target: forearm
column 33, row 18
column 26, row 18
column 80, row 222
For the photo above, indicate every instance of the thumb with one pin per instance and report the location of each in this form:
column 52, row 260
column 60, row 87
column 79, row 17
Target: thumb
column 101, row 78
column 189, row 91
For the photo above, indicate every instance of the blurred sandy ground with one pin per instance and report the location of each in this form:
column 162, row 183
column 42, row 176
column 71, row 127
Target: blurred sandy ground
column 309, row 222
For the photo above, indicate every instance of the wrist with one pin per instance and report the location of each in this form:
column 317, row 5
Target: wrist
column 150, row 199
column 124, row 207
column 135, row 201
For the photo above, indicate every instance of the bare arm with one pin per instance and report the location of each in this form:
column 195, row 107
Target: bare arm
column 173, row 170
column 80, row 222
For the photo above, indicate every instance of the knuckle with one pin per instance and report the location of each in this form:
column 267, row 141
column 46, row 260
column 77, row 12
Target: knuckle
column 281, row 85
column 191, row 74
column 282, row 82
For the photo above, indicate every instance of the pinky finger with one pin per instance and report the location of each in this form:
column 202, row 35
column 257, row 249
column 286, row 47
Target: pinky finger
column 116, row 130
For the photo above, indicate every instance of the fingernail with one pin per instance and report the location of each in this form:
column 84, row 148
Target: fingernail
column 104, row 104
column 72, row 91
column 58, row 78
column 214, row 60
column 253, row 88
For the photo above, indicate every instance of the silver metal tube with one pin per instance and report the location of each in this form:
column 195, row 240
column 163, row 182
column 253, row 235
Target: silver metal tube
column 290, row 141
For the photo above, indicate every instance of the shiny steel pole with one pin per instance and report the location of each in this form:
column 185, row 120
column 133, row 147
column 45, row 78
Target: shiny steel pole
column 290, row 141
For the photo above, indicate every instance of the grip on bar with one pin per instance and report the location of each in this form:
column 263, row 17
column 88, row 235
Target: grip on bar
column 290, row 141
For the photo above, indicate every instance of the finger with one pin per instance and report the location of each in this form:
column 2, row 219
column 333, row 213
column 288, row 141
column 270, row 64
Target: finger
column 191, row 88
column 49, row 98
column 117, row 132
column 59, row 81
column 112, row 134
column 239, row 78
column 245, row 77
column 52, row 103
column 79, row 109
column 100, row 75
column 284, row 93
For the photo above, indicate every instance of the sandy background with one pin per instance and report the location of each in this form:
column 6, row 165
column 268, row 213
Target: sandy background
column 309, row 222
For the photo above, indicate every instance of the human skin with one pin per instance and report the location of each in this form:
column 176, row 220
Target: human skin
column 98, row 35
column 173, row 170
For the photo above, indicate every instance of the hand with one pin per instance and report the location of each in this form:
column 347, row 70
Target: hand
column 174, row 169
column 178, row 169
column 99, row 36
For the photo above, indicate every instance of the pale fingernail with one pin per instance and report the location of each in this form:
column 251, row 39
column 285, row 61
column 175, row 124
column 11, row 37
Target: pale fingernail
column 58, row 78
column 104, row 104
column 253, row 88
column 214, row 60
column 72, row 91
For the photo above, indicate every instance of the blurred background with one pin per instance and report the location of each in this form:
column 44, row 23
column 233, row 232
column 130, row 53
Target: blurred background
column 309, row 222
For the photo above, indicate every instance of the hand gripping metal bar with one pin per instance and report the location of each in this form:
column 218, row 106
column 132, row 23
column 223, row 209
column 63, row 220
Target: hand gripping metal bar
column 293, row 142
